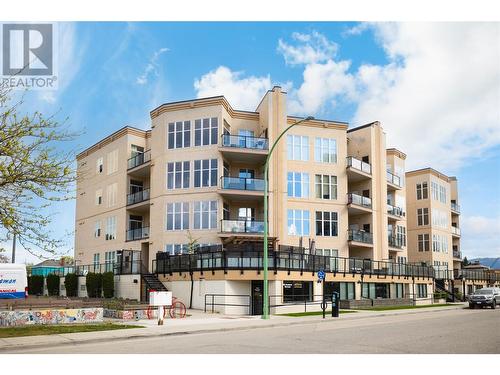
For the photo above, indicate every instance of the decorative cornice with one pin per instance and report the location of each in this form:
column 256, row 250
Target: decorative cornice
column 396, row 152
column 428, row 170
column 318, row 123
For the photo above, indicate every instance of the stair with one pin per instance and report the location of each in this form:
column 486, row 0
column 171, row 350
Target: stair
column 450, row 296
column 152, row 282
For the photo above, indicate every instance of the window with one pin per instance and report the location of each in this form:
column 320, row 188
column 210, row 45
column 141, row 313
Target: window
column 175, row 249
column 99, row 167
column 178, row 175
column 98, row 197
column 442, row 194
column 346, row 290
column 326, row 223
column 112, row 159
column 326, row 186
column 97, row 229
column 434, row 190
column 325, row 150
column 423, row 242
column 205, row 215
column 401, row 235
column 298, row 185
column 298, row 222
column 294, row 291
column 109, row 260
column 178, row 216
column 422, row 216
column 421, row 290
column 179, row 134
column 206, row 131
column 422, row 191
column 205, row 173
column 111, row 228
column 400, row 290
column 375, row 290
column 298, row 147
column 440, row 218
column 111, row 192
column 401, row 260
column 96, row 260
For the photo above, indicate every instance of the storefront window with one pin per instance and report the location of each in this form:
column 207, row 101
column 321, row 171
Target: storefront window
column 346, row 290
column 294, row 291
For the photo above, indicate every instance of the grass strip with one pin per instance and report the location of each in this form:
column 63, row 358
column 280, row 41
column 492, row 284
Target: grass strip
column 37, row 330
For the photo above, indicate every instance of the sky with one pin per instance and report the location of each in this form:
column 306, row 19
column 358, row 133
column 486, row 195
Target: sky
column 435, row 88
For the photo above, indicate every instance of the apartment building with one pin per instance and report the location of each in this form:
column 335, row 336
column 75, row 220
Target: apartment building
column 183, row 201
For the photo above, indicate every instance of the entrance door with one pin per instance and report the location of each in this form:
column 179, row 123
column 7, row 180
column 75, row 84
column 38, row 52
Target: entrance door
column 257, row 294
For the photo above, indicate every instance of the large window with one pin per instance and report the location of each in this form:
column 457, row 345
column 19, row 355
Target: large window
column 325, row 150
column 423, row 242
column 298, row 147
column 422, row 191
column 434, row 190
column 205, row 215
column 97, row 229
column 422, row 216
column 111, row 194
column 400, row 291
column 205, row 173
column 111, row 228
column 298, row 185
column 109, row 260
column 375, row 290
column 401, row 235
column 179, row 134
column 326, row 223
column 294, row 291
column 112, row 160
column 206, row 131
column 178, row 216
column 298, row 222
column 175, row 249
column 326, row 186
column 178, row 175
column 421, row 290
column 442, row 194
column 346, row 290
column 440, row 218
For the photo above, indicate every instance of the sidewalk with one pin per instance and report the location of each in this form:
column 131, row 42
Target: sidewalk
column 198, row 322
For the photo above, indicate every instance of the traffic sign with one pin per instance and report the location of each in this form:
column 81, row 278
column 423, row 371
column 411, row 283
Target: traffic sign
column 321, row 274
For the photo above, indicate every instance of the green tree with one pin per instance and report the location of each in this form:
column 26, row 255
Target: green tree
column 108, row 284
column 34, row 173
column 465, row 262
column 53, row 284
column 71, row 284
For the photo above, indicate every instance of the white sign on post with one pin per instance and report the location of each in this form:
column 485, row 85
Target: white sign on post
column 160, row 299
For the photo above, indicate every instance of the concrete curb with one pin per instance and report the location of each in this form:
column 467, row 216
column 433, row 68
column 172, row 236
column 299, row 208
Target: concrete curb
column 63, row 339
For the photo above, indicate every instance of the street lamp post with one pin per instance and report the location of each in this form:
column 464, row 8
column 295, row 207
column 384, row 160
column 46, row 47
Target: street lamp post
column 265, row 312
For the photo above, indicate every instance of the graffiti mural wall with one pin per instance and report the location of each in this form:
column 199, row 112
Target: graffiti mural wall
column 60, row 316
column 130, row 314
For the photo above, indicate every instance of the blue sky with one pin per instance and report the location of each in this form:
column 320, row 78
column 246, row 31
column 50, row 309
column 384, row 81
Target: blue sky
column 433, row 87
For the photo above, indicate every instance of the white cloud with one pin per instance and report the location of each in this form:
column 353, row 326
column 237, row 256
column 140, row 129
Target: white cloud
column 480, row 236
column 311, row 48
column 242, row 92
column 151, row 67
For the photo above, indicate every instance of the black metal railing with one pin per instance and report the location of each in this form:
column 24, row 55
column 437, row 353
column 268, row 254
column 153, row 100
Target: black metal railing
column 395, row 241
column 137, row 234
column 455, row 207
column 242, row 226
column 359, row 200
column 393, row 179
column 235, row 300
column 137, row 197
column 360, row 236
column 359, row 165
column 242, row 141
column 395, row 211
column 139, row 159
column 482, row 275
column 239, row 183
column 283, row 261
column 123, row 268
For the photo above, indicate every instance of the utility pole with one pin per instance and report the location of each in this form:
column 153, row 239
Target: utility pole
column 14, row 249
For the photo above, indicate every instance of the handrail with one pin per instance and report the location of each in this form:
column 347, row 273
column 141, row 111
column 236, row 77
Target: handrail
column 242, row 183
column 359, row 165
column 359, row 236
column 137, row 234
column 139, row 159
column 395, row 210
column 138, row 197
column 359, row 200
column 242, row 226
column 393, row 178
column 213, row 301
column 244, row 141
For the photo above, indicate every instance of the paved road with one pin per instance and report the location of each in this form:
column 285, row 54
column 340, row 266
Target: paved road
column 455, row 331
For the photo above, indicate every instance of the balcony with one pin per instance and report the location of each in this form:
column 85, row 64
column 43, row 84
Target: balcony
column 242, row 189
column 138, row 197
column 242, row 226
column 455, row 231
column 395, row 242
column 455, row 208
column 394, row 212
column 360, row 236
column 457, row 254
column 139, row 164
column 393, row 181
column 358, row 204
column 137, row 234
column 358, row 170
column 240, row 148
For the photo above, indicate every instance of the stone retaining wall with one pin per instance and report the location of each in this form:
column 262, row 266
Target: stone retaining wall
column 60, row 316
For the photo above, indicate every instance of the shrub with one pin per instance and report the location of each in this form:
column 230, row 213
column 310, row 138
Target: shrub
column 440, row 295
column 71, row 284
column 35, row 285
column 108, row 284
column 94, row 285
column 53, row 283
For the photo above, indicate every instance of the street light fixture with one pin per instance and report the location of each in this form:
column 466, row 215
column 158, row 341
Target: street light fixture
column 265, row 312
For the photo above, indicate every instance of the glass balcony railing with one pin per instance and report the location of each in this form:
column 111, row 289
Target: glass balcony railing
column 360, row 236
column 139, row 159
column 455, row 207
column 242, row 226
column 395, row 242
column 394, row 210
column 457, row 254
column 393, row 179
column 137, row 234
column 455, row 230
column 237, row 183
column 140, row 196
column 359, row 165
column 242, row 141
column 359, row 200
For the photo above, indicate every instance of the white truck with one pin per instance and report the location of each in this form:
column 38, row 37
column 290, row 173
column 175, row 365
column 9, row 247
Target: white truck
column 13, row 281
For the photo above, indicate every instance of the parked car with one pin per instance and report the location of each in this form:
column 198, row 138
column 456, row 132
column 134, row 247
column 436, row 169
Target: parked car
column 485, row 297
